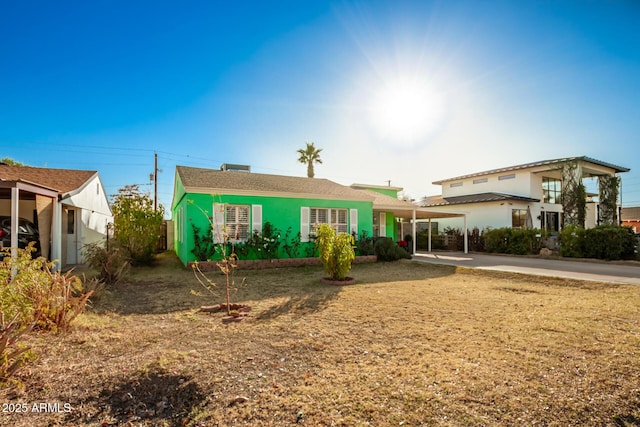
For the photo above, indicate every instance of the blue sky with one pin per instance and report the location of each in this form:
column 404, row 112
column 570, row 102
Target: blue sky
column 103, row 85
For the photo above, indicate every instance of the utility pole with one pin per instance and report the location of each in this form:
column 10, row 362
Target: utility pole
column 155, row 181
column 154, row 177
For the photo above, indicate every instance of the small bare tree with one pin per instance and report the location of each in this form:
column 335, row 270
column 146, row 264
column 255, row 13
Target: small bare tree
column 227, row 265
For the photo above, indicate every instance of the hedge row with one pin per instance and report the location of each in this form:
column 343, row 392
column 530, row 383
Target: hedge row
column 601, row 242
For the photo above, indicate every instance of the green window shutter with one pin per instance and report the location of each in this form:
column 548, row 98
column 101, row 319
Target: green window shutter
column 383, row 224
column 353, row 221
column 256, row 218
column 305, row 213
column 218, row 223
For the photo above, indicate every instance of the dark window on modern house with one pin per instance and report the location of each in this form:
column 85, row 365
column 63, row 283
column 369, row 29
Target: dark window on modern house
column 480, row 180
column 551, row 190
column 518, row 218
column 550, row 221
column 455, row 184
column 503, row 177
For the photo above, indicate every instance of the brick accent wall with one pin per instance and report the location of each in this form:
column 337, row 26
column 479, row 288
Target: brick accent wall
column 276, row 263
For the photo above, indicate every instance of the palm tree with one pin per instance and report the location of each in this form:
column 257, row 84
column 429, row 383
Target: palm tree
column 310, row 155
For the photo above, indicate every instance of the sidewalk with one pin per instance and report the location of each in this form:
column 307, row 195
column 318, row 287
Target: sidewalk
column 628, row 273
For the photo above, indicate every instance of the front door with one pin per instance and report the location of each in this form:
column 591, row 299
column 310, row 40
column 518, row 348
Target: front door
column 551, row 221
column 72, row 236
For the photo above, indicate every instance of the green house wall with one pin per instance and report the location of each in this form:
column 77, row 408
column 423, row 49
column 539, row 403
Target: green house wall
column 387, row 192
column 391, row 226
column 281, row 212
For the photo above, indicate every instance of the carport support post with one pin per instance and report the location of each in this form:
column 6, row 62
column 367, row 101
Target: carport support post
column 429, row 248
column 466, row 236
column 15, row 218
column 56, row 235
column 413, row 232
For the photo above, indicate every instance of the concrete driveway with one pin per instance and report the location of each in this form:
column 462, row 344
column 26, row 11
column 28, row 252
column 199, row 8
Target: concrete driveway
column 600, row 271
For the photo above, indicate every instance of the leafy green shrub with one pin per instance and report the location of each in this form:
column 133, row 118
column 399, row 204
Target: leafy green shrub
column 203, row 246
column 497, row 240
column 336, row 251
column 291, row 245
column 513, row 241
column 610, row 242
column 136, row 224
column 311, row 249
column 364, row 244
column 525, row 241
column 572, row 241
column 111, row 263
column 270, row 241
column 387, row 250
column 265, row 245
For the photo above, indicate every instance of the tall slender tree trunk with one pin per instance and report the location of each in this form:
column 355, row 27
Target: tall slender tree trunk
column 310, row 173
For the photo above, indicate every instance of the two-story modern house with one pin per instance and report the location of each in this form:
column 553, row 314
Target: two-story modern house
column 527, row 195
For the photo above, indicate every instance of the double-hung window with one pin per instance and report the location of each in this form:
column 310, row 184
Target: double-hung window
column 336, row 218
column 339, row 220
column 237, row 222
column 319, row 216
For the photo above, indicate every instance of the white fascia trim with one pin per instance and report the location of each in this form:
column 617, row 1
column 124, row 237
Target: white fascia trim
column 227, row 192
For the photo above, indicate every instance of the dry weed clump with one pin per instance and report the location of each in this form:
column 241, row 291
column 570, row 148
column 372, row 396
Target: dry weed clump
column 33, row 297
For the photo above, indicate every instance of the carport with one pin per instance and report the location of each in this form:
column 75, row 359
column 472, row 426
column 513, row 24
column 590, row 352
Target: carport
column 409, row 211
column 49, row 214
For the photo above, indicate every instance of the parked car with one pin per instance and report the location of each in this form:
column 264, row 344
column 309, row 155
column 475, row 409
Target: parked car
column 27, row 232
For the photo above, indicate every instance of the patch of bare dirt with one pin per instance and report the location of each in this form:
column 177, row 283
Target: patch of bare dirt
column 410, row 344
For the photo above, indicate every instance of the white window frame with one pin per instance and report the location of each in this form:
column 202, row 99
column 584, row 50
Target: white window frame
column 332, row 218
column 231, row 228
column 338, row 226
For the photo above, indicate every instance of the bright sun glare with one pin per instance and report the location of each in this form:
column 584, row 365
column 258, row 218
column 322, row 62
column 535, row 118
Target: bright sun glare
column 407, row 111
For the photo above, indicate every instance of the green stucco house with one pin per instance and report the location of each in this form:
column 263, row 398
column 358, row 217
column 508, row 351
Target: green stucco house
column 238, row 202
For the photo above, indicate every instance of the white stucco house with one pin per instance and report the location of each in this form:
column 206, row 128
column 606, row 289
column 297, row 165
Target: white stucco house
column 517, row 196
column 70, row 208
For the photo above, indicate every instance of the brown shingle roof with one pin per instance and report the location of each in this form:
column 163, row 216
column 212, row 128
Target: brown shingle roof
column 61, row 180
column 230, row 182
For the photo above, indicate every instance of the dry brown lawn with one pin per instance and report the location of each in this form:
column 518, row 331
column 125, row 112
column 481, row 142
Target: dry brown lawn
column 410, row 344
